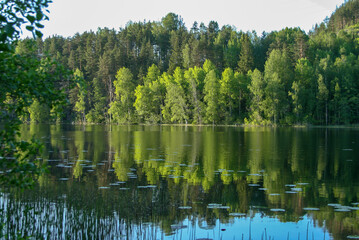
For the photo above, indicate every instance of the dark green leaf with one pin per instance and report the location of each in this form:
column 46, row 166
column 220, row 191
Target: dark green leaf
column 31, row 18
column 38, row 34
column 39, row 16
column 39, row 25
column 30, row 28
column 9, row 29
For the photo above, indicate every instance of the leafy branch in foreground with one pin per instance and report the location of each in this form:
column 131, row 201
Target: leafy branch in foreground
column 23, row 80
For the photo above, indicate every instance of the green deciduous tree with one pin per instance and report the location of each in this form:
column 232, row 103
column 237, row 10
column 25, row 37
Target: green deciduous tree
column 211, row 97
column 80, row 105
column 256, row 104
column 228, row 94
column 195, row 78
column 175, row 110
column 149, row 97
column 39, row 113
column 143, row 103
column 232, row 51
column 121, row 108
column 322, row 96
column 303, row 91
column 278, row 78
column 153, row 74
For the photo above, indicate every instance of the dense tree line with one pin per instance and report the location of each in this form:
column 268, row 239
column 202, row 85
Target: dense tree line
column 345, row 16
column 162, row 72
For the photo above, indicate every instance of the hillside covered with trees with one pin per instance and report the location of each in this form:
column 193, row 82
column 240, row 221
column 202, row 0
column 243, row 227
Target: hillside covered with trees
column 163, row 72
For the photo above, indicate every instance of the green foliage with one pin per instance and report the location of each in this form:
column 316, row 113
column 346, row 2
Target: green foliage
column 228, row 94
column 98, row 112
column 246, row 59
column 232, row 51
column 175, row 110
column 195, row 78
column 303, row 92
column 153, row 74
column 16, row 14
column 256, row 89
column 39, row 113
column 277, row 75
column 208, row 66
column 344, row 16
column 143, row 103
column 80, row 105
column 211, row 97
column 295, row 69
column 26, row 83
column 172, row 22
column 121, row 108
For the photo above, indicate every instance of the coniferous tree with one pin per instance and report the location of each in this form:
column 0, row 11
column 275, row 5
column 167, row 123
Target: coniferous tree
column 296, row 67
column 246, row 59
column 232, row 51
column 98, row 112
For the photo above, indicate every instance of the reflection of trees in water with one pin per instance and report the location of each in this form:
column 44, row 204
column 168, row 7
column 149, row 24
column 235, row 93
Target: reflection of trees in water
column 205, row 165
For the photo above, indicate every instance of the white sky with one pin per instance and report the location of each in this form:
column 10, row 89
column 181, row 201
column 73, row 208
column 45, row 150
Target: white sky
column 68, row 17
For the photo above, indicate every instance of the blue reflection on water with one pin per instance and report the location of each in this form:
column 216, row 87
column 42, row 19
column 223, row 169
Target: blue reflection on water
column 259, row 227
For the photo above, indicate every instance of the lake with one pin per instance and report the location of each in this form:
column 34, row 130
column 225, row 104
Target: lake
column 188, row 182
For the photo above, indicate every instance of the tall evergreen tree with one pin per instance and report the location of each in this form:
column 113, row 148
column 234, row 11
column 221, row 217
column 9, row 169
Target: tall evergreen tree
column 246, row 59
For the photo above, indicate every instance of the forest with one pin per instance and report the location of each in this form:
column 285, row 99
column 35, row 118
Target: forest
column 164, row 73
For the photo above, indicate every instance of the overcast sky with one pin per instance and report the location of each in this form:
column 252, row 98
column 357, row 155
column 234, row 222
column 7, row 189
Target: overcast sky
column 68, row 17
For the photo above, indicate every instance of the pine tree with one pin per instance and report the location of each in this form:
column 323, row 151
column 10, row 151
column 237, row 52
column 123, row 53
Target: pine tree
column 246, row 59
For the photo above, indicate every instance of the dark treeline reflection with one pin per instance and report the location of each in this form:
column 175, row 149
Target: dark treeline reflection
column 144, row 181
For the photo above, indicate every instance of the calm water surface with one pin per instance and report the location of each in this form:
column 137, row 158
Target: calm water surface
column 166, row 182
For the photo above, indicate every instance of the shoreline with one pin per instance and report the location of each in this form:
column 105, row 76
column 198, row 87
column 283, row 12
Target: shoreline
column 201, row 125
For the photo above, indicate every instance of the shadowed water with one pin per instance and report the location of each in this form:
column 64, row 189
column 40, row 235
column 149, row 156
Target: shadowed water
column 153, row 182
